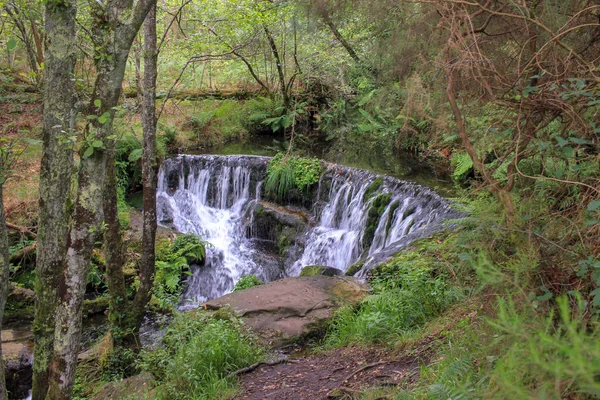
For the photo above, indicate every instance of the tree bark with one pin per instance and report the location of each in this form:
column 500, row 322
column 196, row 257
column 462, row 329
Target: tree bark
column 4, row 271
column 114, row 253
column 55, row 180
column 113, row 38
column 149, row 179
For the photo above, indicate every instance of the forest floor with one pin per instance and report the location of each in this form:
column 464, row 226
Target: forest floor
column 338, row 373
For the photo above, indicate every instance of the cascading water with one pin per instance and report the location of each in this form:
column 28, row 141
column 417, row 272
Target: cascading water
column 360, row 216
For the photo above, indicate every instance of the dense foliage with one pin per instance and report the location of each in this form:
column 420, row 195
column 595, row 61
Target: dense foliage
column 501, row 98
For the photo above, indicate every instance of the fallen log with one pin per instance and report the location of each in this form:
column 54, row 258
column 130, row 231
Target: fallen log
column 22, row 229
column 23, row 253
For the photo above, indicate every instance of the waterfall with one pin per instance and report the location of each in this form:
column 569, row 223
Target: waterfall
column 359, row 216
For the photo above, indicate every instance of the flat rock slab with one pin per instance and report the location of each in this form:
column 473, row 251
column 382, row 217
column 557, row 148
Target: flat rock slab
column 288, row 309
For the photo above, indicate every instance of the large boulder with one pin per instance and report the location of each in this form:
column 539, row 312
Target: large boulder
column 291, row 309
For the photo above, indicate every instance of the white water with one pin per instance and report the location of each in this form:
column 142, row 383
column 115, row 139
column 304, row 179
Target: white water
column 212, row 196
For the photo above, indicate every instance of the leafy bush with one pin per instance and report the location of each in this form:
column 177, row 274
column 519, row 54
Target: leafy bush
column 197, row 355
column 286, row 172
column 247, row 281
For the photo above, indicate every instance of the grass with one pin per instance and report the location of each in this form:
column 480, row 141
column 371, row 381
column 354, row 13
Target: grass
column 409, row 290
column 197, row 355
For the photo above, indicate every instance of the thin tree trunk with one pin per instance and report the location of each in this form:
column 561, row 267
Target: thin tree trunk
column 55, row 181
column 280, row 74
column 13, row 12
column 4, row 271
column 339, row 37
column 149, row 178
column 114, row 253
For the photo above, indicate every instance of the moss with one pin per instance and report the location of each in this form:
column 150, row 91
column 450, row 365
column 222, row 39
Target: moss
column 311, row 270
column 378, row 206
column 96, row 306
column 372, row 188
column 393, row 209
column 354, row 268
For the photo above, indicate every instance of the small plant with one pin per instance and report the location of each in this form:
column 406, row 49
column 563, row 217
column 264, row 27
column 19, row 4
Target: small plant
column 247, row 281
column 286, row 172
column 174, row 262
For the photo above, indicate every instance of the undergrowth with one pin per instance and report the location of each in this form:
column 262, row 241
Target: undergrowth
column 196, row 356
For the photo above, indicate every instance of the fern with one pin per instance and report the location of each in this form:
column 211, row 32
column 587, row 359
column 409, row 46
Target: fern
column 462, row 164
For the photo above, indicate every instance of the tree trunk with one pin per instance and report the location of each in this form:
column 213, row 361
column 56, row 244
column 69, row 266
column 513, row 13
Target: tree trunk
column 55, row 180
column 87, row 218
column 114, row 254
column 4, row 271
column 339, row 37
column 280, row 74
column 113, row 38
column 149, row 178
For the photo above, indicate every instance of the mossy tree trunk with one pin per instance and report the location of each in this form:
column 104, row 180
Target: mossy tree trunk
column 116, row 24
column 149, row 179
column 56, row 171
column 4, row 271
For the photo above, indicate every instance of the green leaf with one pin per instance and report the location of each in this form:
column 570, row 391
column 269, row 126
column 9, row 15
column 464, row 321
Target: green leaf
column 98, row 103
column 135, row 155
column 561, row 142
column 11, row 44
column 88, row 152
column 91, row 117
column 97, row 144
column 104, row 118
column 594, row 205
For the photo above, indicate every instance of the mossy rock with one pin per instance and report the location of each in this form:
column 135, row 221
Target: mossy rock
column 378, row 206
column 313, row 270
column 354, row 268
column 372, row 188
column 95, row 306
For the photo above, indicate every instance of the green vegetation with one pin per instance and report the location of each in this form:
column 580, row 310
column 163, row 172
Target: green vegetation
column 372, row 188
column 286, row 173
column 197, row 355
column 247, row 281
column 408, row 291
column 376, row 210
column 172, row 263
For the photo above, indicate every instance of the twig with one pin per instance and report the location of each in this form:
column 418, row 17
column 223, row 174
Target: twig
column 252, row 367
column 21, row 229
column 363, row 368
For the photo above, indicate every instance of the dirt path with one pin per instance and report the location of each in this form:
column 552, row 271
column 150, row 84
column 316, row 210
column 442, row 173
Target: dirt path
column 334, row 374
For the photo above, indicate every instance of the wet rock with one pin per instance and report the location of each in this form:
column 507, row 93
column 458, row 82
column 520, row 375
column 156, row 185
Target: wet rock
column 291, row 309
